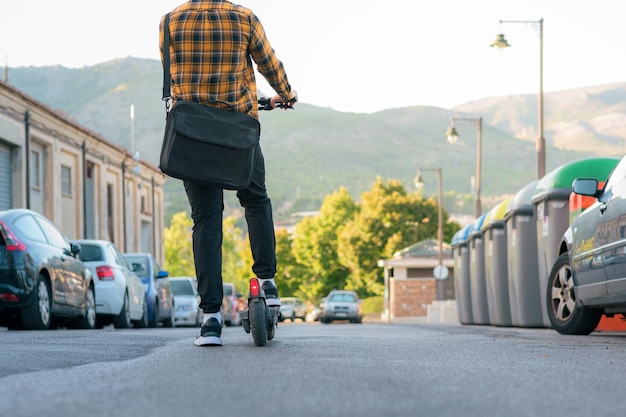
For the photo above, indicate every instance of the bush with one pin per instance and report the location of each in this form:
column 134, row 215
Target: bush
column 372, row 305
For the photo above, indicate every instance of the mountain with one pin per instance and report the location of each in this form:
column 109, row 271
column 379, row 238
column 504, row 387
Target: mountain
column 312, row 151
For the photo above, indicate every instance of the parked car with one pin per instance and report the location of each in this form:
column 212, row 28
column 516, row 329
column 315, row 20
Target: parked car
column 292, row 308
column 41, row 278
column 588, row 279
column 158, row 290
column 187, row 301
column 120, row 294
column 341, row 305
column 230, row 305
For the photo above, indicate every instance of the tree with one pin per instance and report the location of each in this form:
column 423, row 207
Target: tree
column 178, row 246
column 315, row 245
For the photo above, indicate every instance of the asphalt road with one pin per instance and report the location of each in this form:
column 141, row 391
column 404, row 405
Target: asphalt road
column 310, row 369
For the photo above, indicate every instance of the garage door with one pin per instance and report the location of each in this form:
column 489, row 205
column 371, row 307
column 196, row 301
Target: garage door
column 5, row 178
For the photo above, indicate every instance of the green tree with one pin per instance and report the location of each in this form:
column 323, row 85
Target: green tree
column 389, row 219
column 315, row 246
column 289, row 273
column 178, row 246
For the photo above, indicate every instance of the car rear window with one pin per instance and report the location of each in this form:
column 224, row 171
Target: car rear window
column 343, row 298
column 90, row 253
column 180, row 287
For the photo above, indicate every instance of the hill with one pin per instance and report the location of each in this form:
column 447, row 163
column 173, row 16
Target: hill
column 313, row 151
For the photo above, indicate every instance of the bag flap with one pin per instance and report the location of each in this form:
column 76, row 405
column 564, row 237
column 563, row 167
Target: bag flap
column 213, row 125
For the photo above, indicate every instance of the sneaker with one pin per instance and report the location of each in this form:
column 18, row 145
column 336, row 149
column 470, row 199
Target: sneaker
column 210, row 334
column 271, row 294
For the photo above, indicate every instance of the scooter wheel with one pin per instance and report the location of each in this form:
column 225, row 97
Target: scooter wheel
column 258, row 322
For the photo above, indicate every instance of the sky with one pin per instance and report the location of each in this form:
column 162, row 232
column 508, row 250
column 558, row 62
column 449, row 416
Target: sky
column 357, row 55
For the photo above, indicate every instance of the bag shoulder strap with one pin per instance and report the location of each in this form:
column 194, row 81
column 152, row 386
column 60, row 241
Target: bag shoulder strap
column 167, row 78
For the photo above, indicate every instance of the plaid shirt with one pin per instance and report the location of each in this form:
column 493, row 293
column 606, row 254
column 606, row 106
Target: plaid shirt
column 212, row 45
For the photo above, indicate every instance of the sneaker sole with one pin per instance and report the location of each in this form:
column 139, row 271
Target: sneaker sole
column 272, row 302
column 208, row 341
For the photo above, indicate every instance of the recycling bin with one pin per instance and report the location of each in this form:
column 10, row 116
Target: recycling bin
column 551, row 203
column 523, row 270
column 478, row 285
column 460, row 253
column 496, row 265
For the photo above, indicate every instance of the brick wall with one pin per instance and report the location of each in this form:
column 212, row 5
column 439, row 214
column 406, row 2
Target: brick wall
column 411, row 297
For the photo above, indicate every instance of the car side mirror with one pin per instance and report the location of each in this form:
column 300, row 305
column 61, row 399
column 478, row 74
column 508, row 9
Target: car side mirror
column 75, row 249
column 137, row 267
column 586, row 186
column 162, row 274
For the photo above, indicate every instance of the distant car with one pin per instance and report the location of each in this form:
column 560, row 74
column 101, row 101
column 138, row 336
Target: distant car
column 292, row 308
column 186, row 301
column 588, row 279
column 230, row 305
column 41, row 278
column 120, row 294
column 341, row 305
column 316, row 312
column 158, row 290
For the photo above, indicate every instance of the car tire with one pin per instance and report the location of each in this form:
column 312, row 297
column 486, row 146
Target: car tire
column 565, row 315
column 143, row 322
column 38, row 315
column 171, row 320
column 154, row 320
column 89, row 319
column 122, row 320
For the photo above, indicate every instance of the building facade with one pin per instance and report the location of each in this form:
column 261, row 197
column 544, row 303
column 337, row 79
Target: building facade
column 89, row 187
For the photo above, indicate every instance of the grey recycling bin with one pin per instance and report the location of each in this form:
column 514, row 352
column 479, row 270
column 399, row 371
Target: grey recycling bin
column 551, row 202
column 523, row 270
column 478, row 285
column 496, row 271
column 462, row 289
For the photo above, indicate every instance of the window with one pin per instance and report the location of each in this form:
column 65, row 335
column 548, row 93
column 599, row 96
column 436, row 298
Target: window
column 66, row 181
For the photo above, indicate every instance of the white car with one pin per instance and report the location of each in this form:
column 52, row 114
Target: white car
column 186, row 301
column 292, row 308
column 120, row 294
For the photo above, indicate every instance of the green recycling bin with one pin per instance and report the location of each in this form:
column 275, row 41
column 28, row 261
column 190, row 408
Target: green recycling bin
column 496, row 265
column 551, row 202
column 478, row 285
column 462, row 288
column 523, row 270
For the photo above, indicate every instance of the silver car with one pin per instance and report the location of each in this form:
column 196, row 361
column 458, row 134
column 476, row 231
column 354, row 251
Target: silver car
column 292, row 308
column 341, row 305
column 186, row 301
column 120, row 294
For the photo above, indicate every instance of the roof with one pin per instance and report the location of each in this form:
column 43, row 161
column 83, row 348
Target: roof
column 428, row 248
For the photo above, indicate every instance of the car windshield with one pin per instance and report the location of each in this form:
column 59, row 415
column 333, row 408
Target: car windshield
column 343, row 298
column 181, row 287
column 287, row 302
column 90, row 253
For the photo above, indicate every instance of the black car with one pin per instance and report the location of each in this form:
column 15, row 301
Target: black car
column 588, row 279
column 41, row 279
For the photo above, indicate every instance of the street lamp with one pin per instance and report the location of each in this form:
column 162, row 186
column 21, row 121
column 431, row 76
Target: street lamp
column 440, row 271
column 500, row 43
column 453, row 136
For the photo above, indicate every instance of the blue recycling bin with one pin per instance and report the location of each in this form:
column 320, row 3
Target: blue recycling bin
column 478, row 285
column 523, row 267
column 462, row 288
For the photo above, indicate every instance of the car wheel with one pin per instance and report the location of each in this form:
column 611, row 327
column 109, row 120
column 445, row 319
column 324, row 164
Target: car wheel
column 37, row 315
column 143, row 322
column 88, row 320
column 122, row 320
column 565, row 315
column 154, row 320
column 171, row 320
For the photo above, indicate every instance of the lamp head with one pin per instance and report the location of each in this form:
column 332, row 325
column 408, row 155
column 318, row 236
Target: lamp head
column 419, row 182
column 452, row 135
column 500, row 42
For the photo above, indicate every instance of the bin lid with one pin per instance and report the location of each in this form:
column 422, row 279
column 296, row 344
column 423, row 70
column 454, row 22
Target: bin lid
column 495, row 216
column 460, row 237
column 475, row 227
column 521, row 203
column 557, row 184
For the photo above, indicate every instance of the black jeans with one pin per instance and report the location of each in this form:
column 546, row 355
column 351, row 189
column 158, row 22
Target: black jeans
column 207, row 206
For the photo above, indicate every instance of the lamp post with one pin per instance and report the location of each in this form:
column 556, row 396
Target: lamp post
column 501, row 43
column 453, row 136
column 440, row 271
